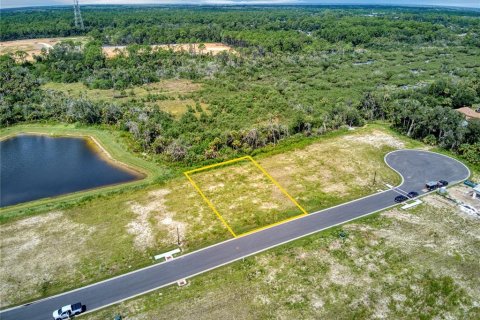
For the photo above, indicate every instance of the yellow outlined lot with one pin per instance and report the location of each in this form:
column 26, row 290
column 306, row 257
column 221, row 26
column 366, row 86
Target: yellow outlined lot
column 257, row 165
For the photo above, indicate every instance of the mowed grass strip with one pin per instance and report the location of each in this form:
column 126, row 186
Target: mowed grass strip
column 244, row 196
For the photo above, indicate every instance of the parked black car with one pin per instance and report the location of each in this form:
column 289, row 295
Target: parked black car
column 412, row 194
column 400, row 198
column 432, row 185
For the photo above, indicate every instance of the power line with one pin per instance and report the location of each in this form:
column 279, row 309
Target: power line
column 78, row 15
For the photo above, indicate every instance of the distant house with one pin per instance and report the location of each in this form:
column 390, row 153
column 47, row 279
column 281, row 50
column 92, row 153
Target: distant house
column 469, row 113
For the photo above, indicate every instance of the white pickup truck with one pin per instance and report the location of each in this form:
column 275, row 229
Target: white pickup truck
column 67, row 312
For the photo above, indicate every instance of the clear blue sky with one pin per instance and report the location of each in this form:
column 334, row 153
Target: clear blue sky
column 454, row 3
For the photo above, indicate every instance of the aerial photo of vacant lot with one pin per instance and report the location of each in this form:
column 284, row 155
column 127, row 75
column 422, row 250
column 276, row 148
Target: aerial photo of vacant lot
column 239, row 162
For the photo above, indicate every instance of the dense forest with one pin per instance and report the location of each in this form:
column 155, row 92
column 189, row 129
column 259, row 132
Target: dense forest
column 296, row 71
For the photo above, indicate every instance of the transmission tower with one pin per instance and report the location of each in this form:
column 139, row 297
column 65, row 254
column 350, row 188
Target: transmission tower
column 78, row 15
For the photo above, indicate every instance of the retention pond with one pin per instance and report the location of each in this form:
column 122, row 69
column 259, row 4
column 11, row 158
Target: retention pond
column 38, row 166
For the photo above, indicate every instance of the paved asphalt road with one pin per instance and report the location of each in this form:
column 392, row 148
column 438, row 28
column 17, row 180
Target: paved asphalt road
column 416, row 167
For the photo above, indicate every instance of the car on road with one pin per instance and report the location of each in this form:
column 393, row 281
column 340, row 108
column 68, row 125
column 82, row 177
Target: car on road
column 432, row 185
column 400, row 198
column 66, row 312
column 412, row 194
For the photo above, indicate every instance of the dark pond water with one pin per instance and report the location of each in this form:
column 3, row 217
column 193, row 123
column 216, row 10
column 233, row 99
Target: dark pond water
column 34, row 167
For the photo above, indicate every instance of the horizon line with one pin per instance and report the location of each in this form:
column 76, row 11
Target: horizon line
column 286, row 4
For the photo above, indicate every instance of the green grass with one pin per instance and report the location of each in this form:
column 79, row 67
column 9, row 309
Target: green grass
column 118, row 229
column 244, row 196
column 387, row 266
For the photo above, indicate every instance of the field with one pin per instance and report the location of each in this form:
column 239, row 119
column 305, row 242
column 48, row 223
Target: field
column 244, row 196
column 420, row 264
column 126, row 229
column 34, row 46
column 172, row 96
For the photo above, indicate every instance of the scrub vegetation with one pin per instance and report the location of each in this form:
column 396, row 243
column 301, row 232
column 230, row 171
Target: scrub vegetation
column 421, row 263
column 292, row 71
column 171, row 96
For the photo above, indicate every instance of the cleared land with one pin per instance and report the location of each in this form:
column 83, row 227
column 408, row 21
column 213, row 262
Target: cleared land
column 245, row 197
column 125, row 230
column 421, row 263
column 172, row 96
column 195, row 48
column 34, row 46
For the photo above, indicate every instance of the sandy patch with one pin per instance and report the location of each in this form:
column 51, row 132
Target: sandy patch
column 463, row 194
column 144, row 230
column 210, row 48
column 32, row 46
column 35, row 249
column 140, row 228
column 377, row 139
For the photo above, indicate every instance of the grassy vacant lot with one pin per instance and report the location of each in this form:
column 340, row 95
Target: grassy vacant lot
column 336, row 170
column 172, row 96
column 418, row 264
column 117, row 232
column 244, row 196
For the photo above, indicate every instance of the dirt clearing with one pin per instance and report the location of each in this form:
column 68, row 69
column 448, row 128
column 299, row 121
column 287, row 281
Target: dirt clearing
column 195, row 48
column 34, row 250
column 33, row 46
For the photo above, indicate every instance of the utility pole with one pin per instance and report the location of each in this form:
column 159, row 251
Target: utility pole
column 178, row 237
column 78, row 15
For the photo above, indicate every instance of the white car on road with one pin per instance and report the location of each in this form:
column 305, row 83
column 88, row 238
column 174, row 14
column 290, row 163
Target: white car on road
column 68, row 311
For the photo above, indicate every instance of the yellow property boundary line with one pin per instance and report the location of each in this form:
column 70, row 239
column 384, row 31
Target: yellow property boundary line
column 210, row 204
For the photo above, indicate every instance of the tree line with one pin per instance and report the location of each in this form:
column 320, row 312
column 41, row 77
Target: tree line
column 293, row 74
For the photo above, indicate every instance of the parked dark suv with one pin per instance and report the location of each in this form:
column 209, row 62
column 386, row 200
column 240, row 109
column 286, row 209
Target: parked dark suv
column 432, row 185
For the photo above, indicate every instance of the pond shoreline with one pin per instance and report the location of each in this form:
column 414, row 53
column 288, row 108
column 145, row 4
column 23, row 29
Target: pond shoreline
column 99, row 149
